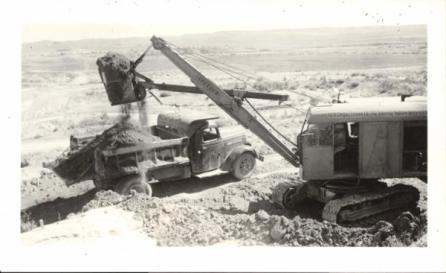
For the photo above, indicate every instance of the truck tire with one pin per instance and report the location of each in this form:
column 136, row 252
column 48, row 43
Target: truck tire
column 244, row 165
column 133, row 182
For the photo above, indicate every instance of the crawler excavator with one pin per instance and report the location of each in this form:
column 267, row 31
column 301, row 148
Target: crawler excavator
column 343, row 150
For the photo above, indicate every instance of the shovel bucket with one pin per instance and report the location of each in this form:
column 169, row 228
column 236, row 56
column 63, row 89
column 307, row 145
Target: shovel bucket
column 116, row 72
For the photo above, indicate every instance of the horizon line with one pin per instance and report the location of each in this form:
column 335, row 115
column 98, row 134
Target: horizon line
column 220, row 31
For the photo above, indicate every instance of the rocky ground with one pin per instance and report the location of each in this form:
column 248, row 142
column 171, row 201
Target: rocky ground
column 234, row 220
column 218, row 210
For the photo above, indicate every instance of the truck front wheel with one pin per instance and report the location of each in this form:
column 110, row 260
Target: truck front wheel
column 244, row 165
column 133, row 182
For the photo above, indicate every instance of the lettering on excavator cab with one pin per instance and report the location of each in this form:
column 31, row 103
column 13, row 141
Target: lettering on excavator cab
column 366, row 115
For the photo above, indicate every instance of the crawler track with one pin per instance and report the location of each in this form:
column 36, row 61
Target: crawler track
column 359, row 209
column 366, row 208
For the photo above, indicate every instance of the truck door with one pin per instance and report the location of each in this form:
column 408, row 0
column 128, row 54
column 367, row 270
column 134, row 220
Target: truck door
column 208, row 150
column 373, row 149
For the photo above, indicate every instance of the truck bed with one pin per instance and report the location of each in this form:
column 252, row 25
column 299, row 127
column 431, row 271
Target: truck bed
column 77, row 163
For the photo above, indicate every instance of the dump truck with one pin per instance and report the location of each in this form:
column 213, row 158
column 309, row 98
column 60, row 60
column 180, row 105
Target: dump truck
column 180, row 145
column 343, row 149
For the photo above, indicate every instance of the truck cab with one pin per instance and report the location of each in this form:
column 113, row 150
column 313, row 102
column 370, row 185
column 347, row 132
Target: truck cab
column 377, row 138
column 208, row 150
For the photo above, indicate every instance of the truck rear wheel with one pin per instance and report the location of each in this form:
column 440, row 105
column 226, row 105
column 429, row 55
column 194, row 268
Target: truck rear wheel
column 244, row 165
column 134, row 182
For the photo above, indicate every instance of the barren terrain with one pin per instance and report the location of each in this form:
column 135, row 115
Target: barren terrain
column 62, row 95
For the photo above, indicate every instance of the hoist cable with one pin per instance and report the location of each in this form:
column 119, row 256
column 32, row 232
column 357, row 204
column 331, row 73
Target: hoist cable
column 269, row 124
column 237, row 70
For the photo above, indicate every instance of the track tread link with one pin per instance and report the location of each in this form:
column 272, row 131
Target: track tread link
column 332, row 208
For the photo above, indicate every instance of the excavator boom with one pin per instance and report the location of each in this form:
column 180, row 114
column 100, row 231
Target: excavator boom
column 231, row 105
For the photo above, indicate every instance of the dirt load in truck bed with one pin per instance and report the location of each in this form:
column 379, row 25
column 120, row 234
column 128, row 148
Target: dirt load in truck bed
column 78, row 165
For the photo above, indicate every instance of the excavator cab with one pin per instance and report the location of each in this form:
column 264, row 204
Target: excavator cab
column 346, row 149
column 365, row 141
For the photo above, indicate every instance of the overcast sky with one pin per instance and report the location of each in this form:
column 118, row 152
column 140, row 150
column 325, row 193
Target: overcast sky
column 71, row 20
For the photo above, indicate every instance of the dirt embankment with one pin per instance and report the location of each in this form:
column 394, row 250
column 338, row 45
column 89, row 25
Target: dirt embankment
column 251, row 220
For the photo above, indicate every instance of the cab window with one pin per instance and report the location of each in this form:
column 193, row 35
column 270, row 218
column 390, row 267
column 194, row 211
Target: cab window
column 319, row 134
column 210, row 134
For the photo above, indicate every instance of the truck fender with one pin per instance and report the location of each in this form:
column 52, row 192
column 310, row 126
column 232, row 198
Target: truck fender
column 235, row 153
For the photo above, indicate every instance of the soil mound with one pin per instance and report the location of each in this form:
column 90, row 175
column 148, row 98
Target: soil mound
column 78, row 165
column 185, row 222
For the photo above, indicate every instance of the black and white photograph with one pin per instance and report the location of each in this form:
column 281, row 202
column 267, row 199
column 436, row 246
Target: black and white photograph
column 312, row 129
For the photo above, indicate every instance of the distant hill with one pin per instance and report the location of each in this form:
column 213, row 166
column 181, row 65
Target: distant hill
column 269, row 50
column 301, row 38
column 281, row 39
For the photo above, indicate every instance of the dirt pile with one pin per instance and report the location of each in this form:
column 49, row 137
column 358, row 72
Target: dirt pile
column 209, row 220
column 302, row 232
column 78, row 165
column 125, row 134
column 405, row 230
column 181, row 224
